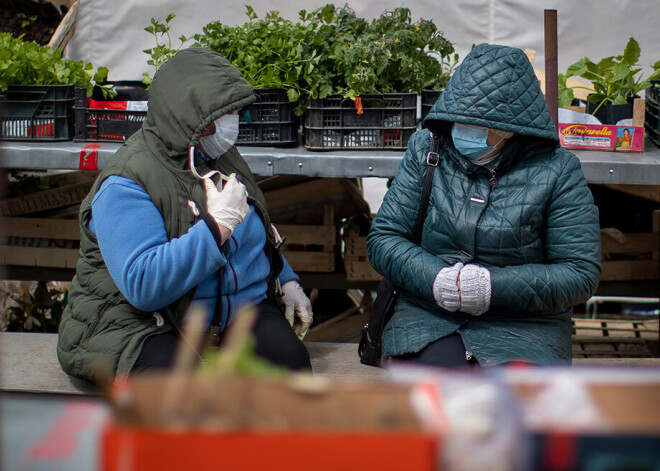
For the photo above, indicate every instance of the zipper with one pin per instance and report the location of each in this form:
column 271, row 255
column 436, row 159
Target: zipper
column 493, row 178
column 94, row 325
column 468, row 353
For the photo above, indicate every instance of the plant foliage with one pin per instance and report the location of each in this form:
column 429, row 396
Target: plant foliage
column 163, row 49
column 38, row 311
column 332, row 50
column 616, row 79
column 29, row 63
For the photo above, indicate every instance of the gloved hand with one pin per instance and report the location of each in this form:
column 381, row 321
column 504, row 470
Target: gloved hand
column 229, row 206
column 297, row 305
column 445, row 288
column 475, row 290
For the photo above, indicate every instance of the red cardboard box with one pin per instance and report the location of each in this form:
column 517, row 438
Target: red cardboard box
column 157, row 450
column 250, row 424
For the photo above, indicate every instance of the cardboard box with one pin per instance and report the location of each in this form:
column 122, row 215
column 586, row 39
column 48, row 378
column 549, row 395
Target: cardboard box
column 616, row 426
column 601, row 137
column 608, row 137
column 247, row 423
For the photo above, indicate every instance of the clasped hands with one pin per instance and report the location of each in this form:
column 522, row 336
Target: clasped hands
column 464, row 288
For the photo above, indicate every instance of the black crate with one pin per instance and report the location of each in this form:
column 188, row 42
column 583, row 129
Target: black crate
column 272, row 120
column 654, row 136
column 37, row 113
column 429, row 97
column 652, row 115
column 103, row 125
column 653, row 91
column 387, row 122
column 127, row 90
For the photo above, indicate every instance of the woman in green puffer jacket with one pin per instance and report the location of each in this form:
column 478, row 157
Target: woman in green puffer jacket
column 511, row 239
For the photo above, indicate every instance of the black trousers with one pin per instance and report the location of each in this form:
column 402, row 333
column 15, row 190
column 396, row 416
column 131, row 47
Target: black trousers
column 447, row 352
column 275, row 342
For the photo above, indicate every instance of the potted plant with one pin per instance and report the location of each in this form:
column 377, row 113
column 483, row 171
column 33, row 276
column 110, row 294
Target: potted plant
column 616, row 81
column 273, row 55
column 37, row 88
column 378, row 68
column 29, row 63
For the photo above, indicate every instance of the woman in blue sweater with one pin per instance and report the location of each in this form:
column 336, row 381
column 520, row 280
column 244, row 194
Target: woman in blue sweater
column 174, row 220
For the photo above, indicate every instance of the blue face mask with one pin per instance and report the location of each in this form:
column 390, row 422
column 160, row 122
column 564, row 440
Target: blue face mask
column 471, row 141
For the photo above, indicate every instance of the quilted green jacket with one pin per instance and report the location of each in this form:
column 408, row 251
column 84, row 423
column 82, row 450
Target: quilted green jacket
column 529, row 218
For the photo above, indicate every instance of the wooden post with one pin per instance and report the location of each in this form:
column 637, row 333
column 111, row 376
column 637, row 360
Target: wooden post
column 551, row 90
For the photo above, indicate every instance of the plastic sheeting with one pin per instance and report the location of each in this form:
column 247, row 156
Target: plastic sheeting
column 111, row 33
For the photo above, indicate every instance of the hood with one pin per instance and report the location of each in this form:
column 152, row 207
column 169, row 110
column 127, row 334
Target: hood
column 496, row 87
column 188, row 92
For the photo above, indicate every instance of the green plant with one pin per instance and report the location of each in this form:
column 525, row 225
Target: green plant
column 393, row 54
column 274, row 52
column 615, row 79
column 29, row 63
column 39, row 311
column 163, row 50
column 332, row 50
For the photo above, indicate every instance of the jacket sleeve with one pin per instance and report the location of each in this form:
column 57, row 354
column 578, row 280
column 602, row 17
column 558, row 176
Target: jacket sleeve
column 573, row 259
column 390, row 243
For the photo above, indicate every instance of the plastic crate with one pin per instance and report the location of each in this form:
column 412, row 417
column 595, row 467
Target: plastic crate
column 387, row 122
column 272, row 120
column 429, row 97
column 652, row 114
column 37, row 113
column 653, row 91
column 105, row 125
column 132, row 90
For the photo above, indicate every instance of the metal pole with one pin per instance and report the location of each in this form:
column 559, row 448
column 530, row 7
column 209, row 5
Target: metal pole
column 551, row 91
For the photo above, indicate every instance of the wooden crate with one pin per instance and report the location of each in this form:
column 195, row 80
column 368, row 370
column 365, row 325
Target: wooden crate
column 645, row 246
column 613, row 338
column 311, row 248
column 300, row 200
column 66, row 190
column 356, row 264
column 39, row 242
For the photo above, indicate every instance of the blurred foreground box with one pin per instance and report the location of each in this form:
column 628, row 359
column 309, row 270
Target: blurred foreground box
column 597, row 419
column 188, row 422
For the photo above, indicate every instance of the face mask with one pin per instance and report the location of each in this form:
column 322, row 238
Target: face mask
column 226, row 133
column 471, row 141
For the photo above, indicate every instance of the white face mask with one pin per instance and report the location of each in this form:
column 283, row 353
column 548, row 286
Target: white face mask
column 226, row 133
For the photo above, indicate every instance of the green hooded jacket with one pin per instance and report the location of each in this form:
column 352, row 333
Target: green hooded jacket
column 101, row 333
column 529, row 219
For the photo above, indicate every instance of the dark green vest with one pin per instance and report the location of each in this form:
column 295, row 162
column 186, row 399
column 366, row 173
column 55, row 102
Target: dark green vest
column 101, row 334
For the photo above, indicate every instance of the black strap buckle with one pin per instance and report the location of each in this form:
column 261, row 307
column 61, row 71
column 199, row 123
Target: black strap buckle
column 432, row 158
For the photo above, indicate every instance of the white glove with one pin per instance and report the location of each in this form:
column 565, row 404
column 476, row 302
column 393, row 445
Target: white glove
column 474, row 289
column 297, row 304
column 229, row 206
column 445, row 288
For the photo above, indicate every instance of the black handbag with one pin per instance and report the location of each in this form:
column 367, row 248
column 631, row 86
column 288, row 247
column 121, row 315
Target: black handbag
column 370, row 347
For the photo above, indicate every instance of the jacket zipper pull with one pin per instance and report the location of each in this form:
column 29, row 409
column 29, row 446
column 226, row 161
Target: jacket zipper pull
column 493, row 178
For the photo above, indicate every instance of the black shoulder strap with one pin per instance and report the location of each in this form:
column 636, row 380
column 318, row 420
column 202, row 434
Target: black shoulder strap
column 432, row 159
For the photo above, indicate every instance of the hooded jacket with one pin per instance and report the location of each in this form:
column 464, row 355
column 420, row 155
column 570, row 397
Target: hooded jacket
column 529, row 219
column 101, row 334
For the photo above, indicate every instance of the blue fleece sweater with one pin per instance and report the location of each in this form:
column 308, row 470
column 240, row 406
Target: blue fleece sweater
column 137, row 252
